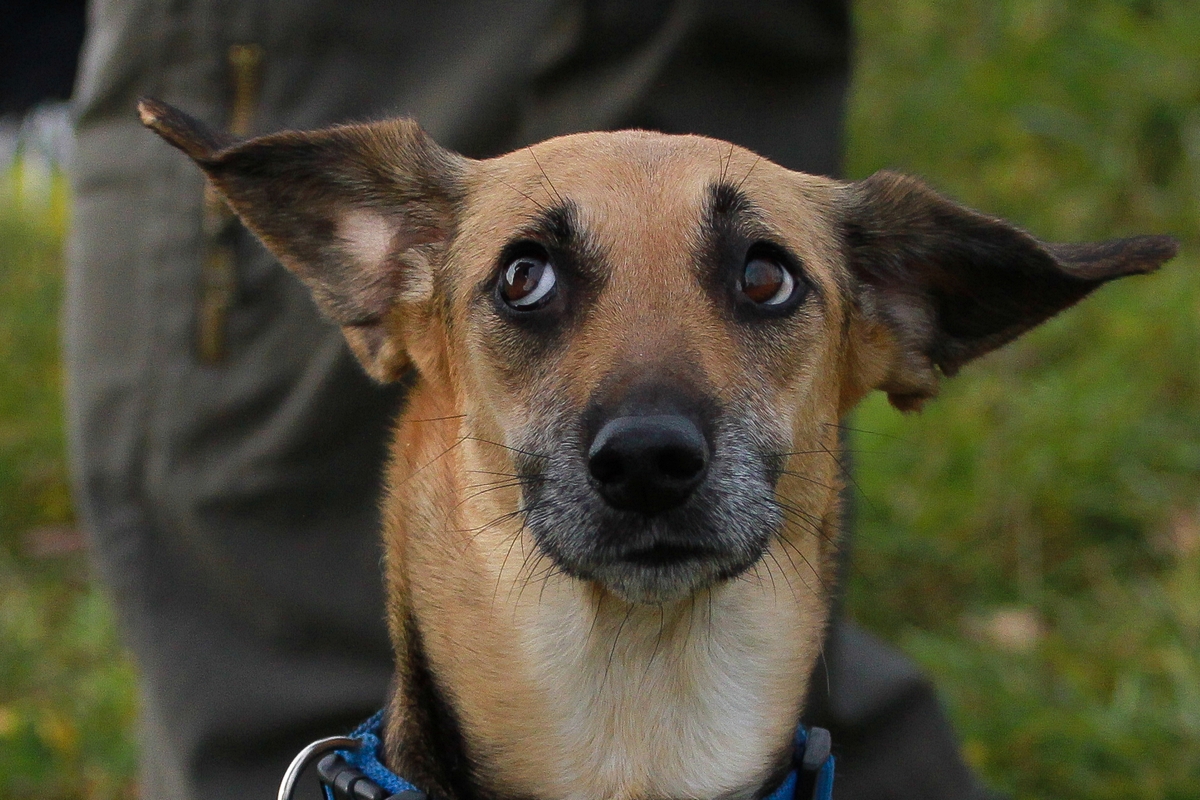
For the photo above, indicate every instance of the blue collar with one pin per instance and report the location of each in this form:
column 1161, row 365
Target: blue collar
column 352, row 769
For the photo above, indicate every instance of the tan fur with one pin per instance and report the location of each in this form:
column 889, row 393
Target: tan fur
column 561, row 686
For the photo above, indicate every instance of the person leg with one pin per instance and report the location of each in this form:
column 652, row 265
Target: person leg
column 232, row 500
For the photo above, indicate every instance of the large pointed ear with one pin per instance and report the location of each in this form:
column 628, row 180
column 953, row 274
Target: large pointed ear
column 940, row 285
column 361, row 213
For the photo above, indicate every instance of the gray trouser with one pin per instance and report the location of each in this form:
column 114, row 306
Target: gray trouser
column 232, row 501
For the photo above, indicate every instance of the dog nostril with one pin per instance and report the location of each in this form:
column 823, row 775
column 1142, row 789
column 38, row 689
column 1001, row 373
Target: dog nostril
column 680, row 463
column 606, row 466
column 648, row 463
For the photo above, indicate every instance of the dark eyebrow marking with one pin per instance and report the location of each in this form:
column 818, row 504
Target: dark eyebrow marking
column 577, row 256
column 558, row 228
column 730, row 225
column 725, row 200
column 556, row 225
column 729, row 217
column 724, row 236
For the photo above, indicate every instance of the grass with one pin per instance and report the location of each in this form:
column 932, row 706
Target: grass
column 66, row 697
column 1032, row 538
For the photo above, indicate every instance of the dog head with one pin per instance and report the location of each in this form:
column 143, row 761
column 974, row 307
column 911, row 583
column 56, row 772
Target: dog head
column 632, row 353
column 654, row 331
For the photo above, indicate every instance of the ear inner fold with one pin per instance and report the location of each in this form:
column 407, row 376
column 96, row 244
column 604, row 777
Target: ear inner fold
column 361, row 213
column 951, row 284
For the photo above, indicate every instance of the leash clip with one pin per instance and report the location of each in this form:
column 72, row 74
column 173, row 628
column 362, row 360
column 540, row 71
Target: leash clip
column 287, row 786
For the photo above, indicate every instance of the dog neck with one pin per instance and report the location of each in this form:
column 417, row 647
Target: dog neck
column 608, row 700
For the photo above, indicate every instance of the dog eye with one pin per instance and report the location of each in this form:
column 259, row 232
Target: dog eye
column 528, row 282
column 765, row 281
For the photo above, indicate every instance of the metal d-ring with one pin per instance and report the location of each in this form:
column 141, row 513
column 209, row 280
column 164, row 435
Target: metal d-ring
column 302, row 759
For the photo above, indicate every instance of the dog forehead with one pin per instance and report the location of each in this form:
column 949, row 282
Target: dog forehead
column 640, row 190
column 590, row 158
column 611, row 180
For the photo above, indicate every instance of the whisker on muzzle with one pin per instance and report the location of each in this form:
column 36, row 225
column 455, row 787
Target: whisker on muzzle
column 527, row 453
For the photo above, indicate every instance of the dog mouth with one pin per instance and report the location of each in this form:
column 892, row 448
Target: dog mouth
column 652, row 559
column 663, row 571
column 668, row 554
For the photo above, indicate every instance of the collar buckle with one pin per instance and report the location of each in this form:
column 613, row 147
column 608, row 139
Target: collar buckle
column 342, row 781
column 287, row 786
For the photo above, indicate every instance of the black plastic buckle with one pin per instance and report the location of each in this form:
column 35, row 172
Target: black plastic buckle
column 817, row 748
column 347, row 783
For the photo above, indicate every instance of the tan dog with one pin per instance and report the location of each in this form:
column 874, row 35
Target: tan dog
column 611, row 510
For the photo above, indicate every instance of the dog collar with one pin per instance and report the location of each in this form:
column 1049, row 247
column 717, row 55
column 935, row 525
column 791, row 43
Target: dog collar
column 350, row 768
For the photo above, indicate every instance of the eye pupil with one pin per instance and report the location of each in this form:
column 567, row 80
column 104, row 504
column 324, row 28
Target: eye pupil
column 527, row 282
column 762, row 280
column 523, row 277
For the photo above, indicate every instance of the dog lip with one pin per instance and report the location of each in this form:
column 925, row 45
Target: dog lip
column 666, row 553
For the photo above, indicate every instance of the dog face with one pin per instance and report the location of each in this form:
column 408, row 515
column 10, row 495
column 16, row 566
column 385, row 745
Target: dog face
column 633, row 351
column 649, row 357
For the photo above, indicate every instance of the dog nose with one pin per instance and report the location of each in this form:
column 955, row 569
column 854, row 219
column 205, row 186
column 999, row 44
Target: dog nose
column 648, row 463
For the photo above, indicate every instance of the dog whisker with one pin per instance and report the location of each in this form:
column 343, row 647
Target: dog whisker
column 808, row 525
column 547, row 573
column 484, row 488
column 850, row 477
column 770, row 576
column 657, row 642
column 549, row 182
column 500, row 572
column 828, row 539
column 506, row 447
column 437, row 419
column 746, row 177
column 843, row 427
column 595, row 619
column 784, row 543
column 809, row 522
column 527, row 567
column 431, row 461
column 687, row 639
column 493, row 472
column 539, row 204
column 613, row 650
column 478, row 531
column 725, row 161
column 807, row 478
column 823, row 451
column 709, row 622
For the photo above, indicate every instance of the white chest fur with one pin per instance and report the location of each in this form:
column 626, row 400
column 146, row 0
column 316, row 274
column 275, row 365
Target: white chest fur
column 692, row 700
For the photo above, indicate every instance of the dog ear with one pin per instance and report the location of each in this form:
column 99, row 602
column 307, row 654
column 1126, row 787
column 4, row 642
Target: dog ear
column 359, row 212
column 940, row 284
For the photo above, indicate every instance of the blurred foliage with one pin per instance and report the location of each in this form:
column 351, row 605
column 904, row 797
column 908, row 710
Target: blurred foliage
column 66, row 691
column 1055, row 483
column 1032, row 538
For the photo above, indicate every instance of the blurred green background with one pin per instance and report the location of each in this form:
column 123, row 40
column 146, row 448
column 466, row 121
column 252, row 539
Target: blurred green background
column 1032, row 538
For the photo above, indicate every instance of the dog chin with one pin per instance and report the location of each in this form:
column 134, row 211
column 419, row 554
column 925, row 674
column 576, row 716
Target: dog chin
column 657, row 574
column 655, row 585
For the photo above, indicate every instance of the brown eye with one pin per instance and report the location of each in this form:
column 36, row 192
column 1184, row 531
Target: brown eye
column 766, row 282
column 527, row 282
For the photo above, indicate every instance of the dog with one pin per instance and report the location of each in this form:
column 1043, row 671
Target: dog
column 611, row 510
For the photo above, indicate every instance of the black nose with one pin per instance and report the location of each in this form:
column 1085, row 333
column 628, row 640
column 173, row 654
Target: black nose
column 648, row 463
